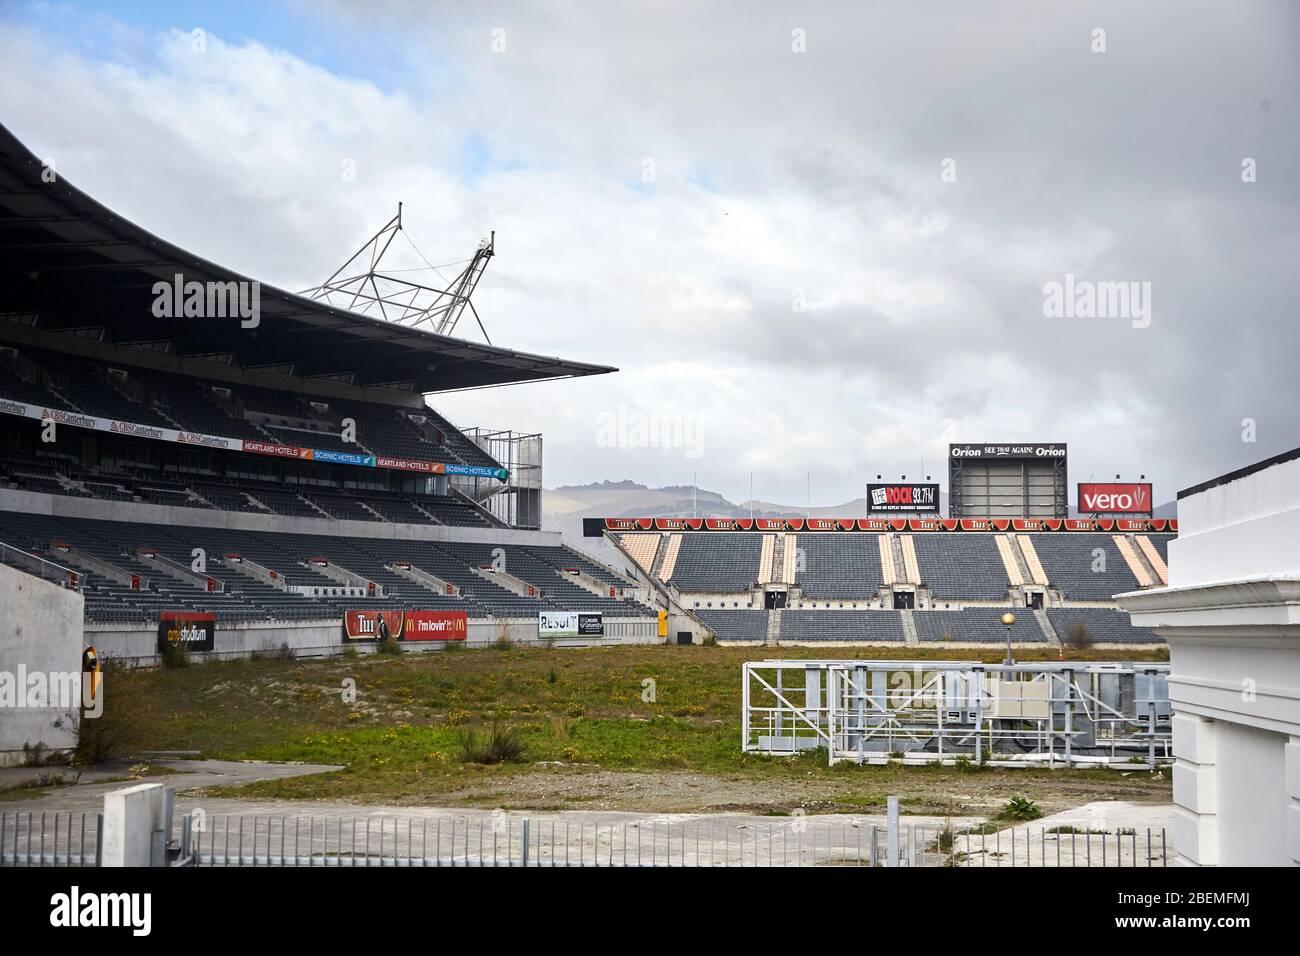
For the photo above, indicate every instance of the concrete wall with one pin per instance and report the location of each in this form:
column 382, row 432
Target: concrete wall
column 134, row 645
column 1231, row 615
column 66, row 506
column 40, row 633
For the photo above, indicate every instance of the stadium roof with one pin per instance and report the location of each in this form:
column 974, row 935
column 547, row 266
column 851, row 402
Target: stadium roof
column 84, row 269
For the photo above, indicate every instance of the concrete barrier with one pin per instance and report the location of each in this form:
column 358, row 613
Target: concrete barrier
column 40, row 661
column 131, row 817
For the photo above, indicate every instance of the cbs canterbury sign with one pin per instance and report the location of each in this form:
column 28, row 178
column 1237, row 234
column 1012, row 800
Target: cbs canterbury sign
column 1115, row 499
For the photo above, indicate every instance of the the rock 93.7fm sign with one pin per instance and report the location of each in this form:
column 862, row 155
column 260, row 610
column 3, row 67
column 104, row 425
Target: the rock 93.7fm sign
column 902, row 498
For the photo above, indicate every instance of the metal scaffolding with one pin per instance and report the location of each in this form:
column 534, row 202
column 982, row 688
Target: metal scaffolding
column 1067, row 713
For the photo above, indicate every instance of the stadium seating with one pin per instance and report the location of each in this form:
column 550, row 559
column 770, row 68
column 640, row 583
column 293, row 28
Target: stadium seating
column 1084, row 567
column 642, row 548
column 839, row 567
column 848, row 625
column 720, row 563
column 977, row 625
column 246, row 598
column 152, row 397
column 1103, row 626
column 745, row 624
column 961, row 567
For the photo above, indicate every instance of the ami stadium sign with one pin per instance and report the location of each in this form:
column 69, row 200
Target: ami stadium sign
column 154, row 433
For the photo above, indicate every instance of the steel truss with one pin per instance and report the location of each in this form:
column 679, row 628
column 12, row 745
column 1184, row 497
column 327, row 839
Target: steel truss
column 1067, row 713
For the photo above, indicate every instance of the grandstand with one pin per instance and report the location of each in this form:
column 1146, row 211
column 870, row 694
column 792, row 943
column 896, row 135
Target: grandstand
column 278, row 468
column 915, row 581
column 288, row 469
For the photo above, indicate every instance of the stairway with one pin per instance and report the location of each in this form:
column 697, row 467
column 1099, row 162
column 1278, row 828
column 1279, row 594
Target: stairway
column 255, row 503
column 1145, row 577
column 1017, row 558
column 774, row 626
column 911, row 636
column 1049, row 631
column 1152, row 557
column 313, row 506
column 789, row 558
column 767, row 560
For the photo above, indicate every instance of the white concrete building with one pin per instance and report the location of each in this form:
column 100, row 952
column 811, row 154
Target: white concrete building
column 1231, row 615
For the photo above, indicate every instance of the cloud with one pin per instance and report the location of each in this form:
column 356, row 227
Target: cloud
column 668, row 183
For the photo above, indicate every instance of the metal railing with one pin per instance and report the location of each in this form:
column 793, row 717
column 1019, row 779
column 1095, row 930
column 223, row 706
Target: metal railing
column 41, row 567
column 50, row 838
column 568, row 842
column 29, row 838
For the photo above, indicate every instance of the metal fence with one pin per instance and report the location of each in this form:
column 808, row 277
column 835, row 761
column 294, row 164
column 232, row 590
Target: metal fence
column 50, row 839
column 1044, row 713
column 73, row 839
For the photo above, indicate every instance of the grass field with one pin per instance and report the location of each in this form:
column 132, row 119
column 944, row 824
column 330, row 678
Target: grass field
column 590, row 738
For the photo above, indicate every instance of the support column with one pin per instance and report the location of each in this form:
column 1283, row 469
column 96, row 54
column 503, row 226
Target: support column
column 1196, row 825
column 1293, row 799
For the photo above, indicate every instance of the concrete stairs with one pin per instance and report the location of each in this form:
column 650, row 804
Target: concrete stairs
column 911, row 636
column 1049, row 631
column 773, row 627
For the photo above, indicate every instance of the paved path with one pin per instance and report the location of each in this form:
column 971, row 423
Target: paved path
column 85, row 789
column 310, row 831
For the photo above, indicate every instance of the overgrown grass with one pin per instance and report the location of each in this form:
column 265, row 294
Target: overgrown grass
column 401, row 738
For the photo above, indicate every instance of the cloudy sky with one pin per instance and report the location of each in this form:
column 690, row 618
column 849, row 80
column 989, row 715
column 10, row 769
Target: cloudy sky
column 815, row 238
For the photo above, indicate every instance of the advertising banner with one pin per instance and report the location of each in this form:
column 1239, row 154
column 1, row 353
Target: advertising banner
column 343, row 457
column 435, row 626
column 407, row 464
column 903, row 498
column 277, row 451
column 155, row 433
column 1127, row 498
column 570, row 624
column 476, row 471
column 193, row 630
column 1037, row 450
column 595, row 527
column 364, row 625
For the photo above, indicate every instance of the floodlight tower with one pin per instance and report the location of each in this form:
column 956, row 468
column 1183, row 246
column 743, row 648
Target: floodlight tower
column 362, row 285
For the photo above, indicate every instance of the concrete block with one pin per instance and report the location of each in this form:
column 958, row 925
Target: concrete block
column 130, row 817
column 1194, row 788
column 1193, row 738
column 1196, row 837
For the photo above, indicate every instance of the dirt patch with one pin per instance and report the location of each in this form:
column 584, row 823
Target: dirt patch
column 921, row 790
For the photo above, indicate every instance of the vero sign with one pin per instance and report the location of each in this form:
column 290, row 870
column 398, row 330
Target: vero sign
column 1112, row 499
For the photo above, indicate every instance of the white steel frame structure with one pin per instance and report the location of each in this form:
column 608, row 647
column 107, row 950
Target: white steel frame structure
column 1035, row 714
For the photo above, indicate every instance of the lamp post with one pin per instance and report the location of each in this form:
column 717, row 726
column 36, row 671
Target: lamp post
column 1007, row 620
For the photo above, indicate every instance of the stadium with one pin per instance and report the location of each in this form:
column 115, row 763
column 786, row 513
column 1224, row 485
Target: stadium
column 284, row 483
column 217, row 481
column 189, row 469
